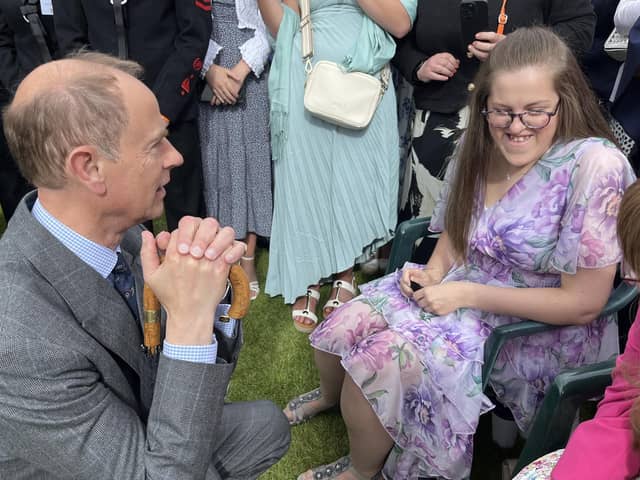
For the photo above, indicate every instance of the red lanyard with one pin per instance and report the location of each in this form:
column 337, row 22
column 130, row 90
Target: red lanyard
column 502, row 18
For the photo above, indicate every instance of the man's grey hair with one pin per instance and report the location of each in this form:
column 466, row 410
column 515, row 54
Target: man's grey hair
column 86, row 109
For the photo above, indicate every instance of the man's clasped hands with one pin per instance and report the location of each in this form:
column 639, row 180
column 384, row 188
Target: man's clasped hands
column 191, row 280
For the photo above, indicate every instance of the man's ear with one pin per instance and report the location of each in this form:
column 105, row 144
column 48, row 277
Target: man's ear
column 85, row 166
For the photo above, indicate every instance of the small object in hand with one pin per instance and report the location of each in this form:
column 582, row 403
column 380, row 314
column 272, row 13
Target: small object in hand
column 415, row 286
column 151, row 324
column 241, row 295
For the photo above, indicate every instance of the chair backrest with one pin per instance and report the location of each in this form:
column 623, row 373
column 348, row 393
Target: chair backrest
column 404, row 242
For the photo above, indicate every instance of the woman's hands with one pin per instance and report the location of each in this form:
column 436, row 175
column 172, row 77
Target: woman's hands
column 483, row 45
column 443, row 298
column 227, row 82
column 434, row 297
column 422, row 276
column 440, row 67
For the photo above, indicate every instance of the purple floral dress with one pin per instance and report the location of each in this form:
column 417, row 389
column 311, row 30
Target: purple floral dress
column 422, row 373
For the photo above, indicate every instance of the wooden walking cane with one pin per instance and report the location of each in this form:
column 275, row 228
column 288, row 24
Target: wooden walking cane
column 239, row 308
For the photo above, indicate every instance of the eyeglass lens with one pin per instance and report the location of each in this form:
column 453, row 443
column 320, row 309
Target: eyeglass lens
column 531, row 119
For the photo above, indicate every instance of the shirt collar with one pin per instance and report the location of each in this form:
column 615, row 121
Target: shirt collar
column 98, row 257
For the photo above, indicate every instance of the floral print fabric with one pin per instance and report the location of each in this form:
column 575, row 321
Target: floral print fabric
column 541, row 468
column 422, row 373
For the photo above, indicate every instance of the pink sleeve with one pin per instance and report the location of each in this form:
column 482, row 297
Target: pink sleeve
column 602, row 448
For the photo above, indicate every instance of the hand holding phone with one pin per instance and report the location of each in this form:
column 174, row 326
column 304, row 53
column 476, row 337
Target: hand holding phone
column 474, row 18
column 484, row 44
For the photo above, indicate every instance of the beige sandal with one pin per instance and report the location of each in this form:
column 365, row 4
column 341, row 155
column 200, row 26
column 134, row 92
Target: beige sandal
column 307, row 313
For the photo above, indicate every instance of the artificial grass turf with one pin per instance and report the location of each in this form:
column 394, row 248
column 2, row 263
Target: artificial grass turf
column 276, row 363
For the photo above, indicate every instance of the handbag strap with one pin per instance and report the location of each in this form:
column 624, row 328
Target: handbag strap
column 306, row 34
column 31, row 15
column 503, row 18
column 121, row 29
column 307, row 44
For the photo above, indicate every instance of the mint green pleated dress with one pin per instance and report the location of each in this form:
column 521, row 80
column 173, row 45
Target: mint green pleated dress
column 335, row 189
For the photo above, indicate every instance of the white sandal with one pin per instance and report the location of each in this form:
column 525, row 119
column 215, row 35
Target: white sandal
column 254, row 287
column 335, row 301
column 307, row 313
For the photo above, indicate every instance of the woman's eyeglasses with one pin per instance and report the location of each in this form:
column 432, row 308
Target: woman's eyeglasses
column 533, row 119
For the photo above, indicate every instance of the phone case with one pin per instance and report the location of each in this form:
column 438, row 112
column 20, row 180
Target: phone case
column 207, row 94
column 474, row 18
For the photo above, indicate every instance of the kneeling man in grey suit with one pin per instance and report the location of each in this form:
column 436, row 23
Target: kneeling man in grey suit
column 79, row 399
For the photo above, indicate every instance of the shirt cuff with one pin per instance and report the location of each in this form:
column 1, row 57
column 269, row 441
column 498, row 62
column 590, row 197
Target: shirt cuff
column 212, row 52
column 255, row 52
column 192, row 353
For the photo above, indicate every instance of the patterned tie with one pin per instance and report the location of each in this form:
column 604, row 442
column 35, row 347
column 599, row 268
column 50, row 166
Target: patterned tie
column 122, row 279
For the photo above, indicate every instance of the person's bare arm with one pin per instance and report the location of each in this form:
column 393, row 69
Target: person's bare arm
column 578, row 300
column 389, row 14
column 272, row 12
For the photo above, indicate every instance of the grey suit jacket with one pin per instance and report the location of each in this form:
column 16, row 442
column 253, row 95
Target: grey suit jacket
column 68, row 347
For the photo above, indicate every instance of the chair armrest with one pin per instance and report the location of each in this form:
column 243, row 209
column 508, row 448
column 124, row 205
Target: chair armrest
column 552, row 426
column 406, row 236
column 619, row 298
column 500, row 335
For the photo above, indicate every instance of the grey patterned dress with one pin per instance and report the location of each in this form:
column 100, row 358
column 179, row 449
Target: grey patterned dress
column 236, row 156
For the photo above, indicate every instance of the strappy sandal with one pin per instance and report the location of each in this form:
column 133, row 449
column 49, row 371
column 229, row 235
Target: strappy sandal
column 306, row 313
column 254, row 290
column 334, row 302
column 254, row 286
column 332, row 470
column 296, row 407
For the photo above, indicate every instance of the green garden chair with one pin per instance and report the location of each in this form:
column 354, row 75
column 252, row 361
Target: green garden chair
column 552, row 426
column 554, row 422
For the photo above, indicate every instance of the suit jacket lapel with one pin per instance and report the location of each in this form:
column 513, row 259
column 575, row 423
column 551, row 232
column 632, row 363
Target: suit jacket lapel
column 95, row 304
column 130, row 245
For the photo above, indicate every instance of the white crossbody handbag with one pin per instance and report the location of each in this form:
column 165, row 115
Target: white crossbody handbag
column 345, row 99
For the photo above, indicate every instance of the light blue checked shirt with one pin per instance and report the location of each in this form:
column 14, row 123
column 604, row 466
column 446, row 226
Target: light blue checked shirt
column 103, row 259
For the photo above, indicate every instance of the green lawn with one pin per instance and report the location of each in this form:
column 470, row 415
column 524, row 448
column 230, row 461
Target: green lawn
column 276, row 363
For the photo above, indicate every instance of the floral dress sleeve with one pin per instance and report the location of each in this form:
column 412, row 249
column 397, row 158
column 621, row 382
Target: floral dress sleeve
column 587, row 236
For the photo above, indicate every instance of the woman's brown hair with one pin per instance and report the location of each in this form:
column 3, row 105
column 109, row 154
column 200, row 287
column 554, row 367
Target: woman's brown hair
column 629, row 235
column 579, row 116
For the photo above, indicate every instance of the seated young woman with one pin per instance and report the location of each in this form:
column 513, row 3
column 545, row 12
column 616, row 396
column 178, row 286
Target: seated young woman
column 527, row 216
column 606, row 447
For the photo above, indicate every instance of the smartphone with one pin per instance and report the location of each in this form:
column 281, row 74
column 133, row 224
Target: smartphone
column 207, row 95
column 474, row 18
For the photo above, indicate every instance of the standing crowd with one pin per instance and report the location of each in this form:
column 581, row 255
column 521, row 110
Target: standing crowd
column 523, row 138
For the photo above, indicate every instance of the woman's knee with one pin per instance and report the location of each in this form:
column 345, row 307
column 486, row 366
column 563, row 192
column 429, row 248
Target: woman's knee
column 349, row 325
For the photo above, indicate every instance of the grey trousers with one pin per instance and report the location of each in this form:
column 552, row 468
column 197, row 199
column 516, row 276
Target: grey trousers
column 250, row 438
